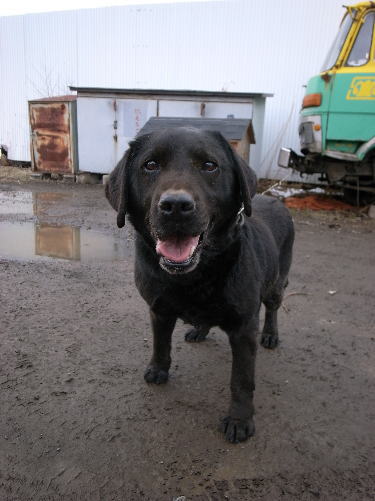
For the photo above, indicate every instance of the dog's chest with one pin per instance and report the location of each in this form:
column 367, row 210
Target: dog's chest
column 200, row 305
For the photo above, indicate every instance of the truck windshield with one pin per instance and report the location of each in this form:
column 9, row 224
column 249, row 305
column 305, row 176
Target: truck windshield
column 360, row 53
column 338, row 42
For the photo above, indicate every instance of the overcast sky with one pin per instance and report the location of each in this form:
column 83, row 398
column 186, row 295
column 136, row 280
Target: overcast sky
column 17, row 7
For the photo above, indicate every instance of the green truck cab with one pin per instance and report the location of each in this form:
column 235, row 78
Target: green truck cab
column 337, row 119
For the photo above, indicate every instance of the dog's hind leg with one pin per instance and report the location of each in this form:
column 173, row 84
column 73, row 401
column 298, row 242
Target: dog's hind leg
column 196, row 334
column 273, row 301
column 162, row 329
column 270, row 334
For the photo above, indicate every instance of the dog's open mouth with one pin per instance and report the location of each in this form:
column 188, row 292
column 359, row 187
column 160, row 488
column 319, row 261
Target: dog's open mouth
column 178, row 254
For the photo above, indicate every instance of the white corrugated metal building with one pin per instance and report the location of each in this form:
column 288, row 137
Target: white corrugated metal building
column 231, row 45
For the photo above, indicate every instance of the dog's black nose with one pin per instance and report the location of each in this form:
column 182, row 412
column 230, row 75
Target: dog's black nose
column 176, row 202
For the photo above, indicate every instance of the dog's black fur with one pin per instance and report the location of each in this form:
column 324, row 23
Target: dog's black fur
column 176, row 184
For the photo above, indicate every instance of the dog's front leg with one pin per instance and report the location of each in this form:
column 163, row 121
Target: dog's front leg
column 239, row 424
column 162, row 328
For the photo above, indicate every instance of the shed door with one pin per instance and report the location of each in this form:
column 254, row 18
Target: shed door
column 50, row 137
column 105, row 127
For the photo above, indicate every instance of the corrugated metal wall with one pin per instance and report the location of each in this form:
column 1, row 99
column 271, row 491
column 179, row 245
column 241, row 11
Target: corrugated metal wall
column 234, row 45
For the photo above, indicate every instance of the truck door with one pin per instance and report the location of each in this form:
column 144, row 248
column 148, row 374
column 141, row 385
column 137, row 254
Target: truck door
column 352, row 104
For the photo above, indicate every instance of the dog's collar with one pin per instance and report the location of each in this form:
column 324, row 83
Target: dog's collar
column 240, row 218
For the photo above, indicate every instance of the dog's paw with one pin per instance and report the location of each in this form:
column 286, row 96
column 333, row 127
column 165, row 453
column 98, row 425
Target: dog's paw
column 269, row 341
column 237, row 430
column 155, row 375
column 196, row 335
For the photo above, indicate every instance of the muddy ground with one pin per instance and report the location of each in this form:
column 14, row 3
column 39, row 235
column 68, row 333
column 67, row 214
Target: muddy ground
column 77, row 420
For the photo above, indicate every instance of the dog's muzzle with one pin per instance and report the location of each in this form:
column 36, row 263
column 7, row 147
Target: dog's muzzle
column 178, row 244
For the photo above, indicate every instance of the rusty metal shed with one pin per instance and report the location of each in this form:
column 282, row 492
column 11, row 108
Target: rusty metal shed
column 53, row 134
column 237, row 131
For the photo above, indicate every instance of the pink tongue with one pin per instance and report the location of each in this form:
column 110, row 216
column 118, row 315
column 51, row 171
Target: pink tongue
column 177, row 249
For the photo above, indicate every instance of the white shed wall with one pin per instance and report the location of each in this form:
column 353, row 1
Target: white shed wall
column 234, row 45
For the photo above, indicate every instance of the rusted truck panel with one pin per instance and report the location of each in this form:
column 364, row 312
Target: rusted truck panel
column 53, row 135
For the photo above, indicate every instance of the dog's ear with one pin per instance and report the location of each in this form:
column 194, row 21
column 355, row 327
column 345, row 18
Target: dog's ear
column 246, row 177
column 116, row 189
column 247, row 180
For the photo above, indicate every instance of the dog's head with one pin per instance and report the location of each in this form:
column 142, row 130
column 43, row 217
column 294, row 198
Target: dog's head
column 178, row 186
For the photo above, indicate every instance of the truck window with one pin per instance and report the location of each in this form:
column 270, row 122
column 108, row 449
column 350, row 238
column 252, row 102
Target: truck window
column 359, row 55
column 338, row 42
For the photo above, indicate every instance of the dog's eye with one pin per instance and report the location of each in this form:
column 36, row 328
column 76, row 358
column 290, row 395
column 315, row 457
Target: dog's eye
column 209, row 166
column 151, row 166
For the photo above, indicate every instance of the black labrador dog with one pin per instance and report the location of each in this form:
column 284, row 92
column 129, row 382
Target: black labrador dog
column 207, row 251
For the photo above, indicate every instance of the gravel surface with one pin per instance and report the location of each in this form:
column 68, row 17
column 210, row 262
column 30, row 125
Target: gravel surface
column 77, row 420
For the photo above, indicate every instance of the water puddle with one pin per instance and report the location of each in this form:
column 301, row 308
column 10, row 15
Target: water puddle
column 34, row 240
column 16, row 202
column 27, row 202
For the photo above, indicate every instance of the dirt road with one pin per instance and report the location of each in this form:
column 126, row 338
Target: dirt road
column 77, row 421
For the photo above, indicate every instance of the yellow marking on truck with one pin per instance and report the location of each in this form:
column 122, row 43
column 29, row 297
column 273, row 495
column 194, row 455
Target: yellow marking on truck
column 362, row 88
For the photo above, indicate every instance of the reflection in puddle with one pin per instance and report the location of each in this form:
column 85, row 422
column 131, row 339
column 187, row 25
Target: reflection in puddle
column 57, row 241
column 27, row 202
column 29, row 240
column 42, row 201
column 16, row 202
